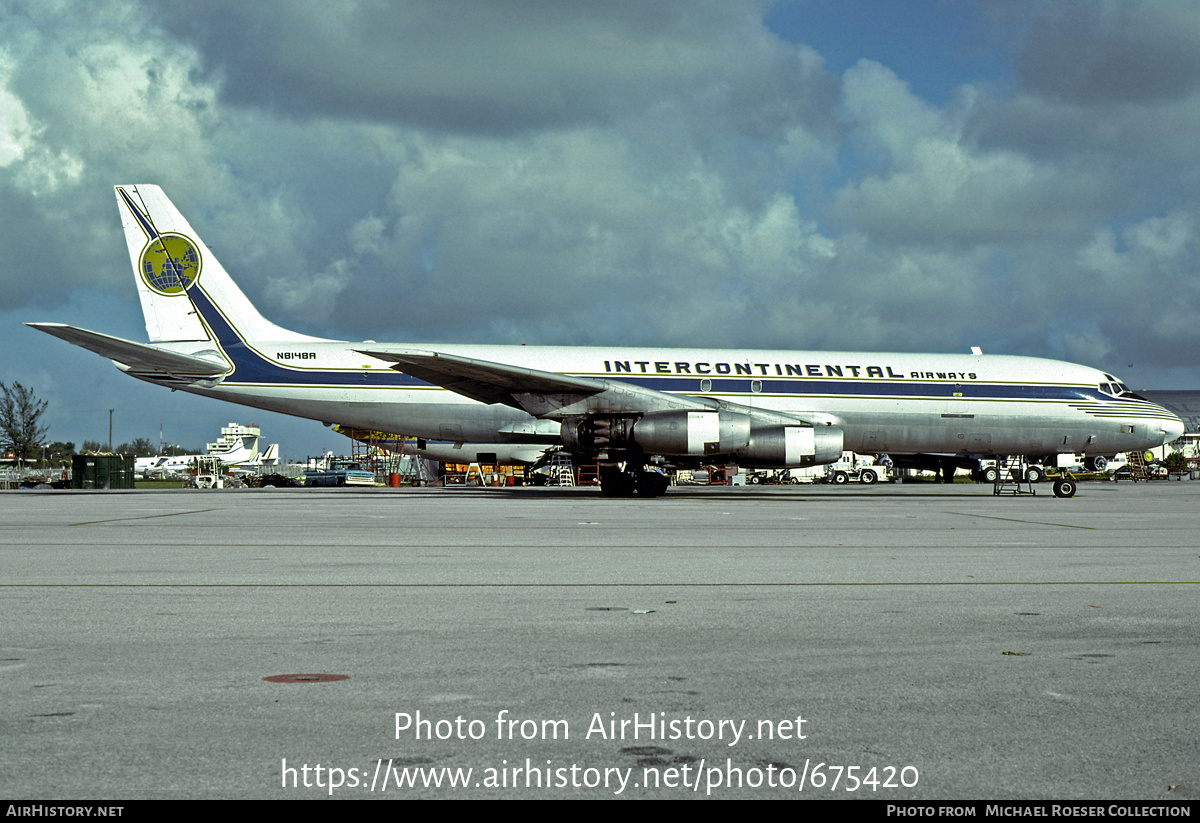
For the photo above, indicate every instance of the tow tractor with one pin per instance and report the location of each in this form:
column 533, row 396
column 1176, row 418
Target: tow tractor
column 852, row 468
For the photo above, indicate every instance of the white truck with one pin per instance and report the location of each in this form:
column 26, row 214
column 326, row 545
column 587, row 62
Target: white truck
column 853, row 468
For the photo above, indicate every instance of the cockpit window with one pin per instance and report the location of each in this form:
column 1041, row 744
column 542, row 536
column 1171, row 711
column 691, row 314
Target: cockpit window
column 1115, row 388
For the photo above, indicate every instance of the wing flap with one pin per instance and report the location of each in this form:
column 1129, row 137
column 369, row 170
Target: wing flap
column 482, row 380
column 138, row 358
column 540, row 393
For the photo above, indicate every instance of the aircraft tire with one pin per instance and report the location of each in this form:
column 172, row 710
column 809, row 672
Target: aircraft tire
column 1064, row 487
column 616, row 483
column 651, row 484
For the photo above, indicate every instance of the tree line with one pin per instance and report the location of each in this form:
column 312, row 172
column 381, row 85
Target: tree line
column 25, row 435
column 20, row 420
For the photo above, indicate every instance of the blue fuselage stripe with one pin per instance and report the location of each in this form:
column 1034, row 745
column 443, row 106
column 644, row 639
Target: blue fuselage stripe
column 250, row 367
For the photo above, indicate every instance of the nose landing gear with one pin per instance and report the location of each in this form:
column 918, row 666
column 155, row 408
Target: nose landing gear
column 1064, row 486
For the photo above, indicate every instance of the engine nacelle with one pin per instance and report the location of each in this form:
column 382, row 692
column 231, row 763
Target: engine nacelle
column 745, row 437
column 682, row 433
column 791, row 446
column 676, row 433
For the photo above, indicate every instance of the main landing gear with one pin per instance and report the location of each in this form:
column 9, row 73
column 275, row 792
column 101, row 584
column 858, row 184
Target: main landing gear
column 632, row 480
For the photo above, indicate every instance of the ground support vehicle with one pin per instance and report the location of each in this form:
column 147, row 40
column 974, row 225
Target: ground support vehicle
column 989, row 471
column 782, row 477
column 340, row 473
column 856, row 470
column 1015, row 476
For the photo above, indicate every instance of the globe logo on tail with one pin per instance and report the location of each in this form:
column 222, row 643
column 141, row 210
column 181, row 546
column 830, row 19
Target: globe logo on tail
column 170, row 264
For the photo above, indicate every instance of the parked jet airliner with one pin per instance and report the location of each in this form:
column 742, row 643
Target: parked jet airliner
column 628, row 408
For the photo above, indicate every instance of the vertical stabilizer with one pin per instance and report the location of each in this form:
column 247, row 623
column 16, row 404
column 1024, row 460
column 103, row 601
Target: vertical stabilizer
column 170, row 261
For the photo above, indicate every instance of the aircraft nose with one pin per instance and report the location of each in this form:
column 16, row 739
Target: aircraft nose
column 1172, row 429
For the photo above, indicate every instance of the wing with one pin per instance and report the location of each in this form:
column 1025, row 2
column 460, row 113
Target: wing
column 624, row 418
column 481, row 380
column 540, row 393
column 138, row 359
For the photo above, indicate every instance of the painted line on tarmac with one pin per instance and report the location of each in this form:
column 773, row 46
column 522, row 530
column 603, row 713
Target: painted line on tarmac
column 667, row 584
column 1018, row 520
column 142, row 517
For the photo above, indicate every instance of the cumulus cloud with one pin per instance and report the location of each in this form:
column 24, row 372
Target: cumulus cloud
column 938, row 186
column 16, row 129
column 466, row 65
column 1099, row 52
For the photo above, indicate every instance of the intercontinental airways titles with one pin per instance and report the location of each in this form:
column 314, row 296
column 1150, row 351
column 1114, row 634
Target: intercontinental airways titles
column 803, row 370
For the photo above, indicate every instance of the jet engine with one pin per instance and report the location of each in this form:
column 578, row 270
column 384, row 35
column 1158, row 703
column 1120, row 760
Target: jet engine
column 749, row 438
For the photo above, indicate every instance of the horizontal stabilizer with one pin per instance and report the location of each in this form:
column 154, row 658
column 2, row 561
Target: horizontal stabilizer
column 138, row 358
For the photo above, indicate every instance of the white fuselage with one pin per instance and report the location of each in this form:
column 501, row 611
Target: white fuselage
column 898, row 403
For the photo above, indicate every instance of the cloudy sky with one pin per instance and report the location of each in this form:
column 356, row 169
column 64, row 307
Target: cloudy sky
column 917, row 176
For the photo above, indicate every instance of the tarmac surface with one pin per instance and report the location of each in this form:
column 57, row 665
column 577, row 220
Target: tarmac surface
column 908, row 642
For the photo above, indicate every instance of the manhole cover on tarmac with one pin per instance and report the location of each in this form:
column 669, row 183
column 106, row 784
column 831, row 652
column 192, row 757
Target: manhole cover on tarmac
column 305, row 678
